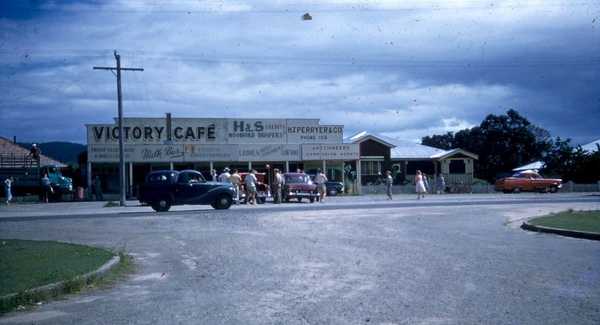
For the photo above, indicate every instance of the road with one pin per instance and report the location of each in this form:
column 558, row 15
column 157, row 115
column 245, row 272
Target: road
column 369, row 262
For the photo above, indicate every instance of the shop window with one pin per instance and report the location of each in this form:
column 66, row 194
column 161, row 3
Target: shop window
column 370, row 167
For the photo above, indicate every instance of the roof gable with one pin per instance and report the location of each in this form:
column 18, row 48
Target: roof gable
column 364, row 136
column 11, row 150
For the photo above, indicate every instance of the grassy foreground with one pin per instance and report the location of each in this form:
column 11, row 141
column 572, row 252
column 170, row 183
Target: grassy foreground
column 26, row 264
column 588, row 221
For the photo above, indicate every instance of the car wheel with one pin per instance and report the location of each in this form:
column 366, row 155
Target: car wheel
column 261, row 200
column 553, row 189
column 222, row 202
column 517, row 190
column 312, row 200
column 299, row 199
column 332, row 192
column 161, row 205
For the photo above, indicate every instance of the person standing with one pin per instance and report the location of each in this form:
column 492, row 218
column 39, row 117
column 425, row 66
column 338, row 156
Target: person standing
column 250, row 183
column 46, row 188
column 420, row 185
column 224, row 177
column 441, row 184
column 8, row 189
column 35, row 155
column 98, row 189
column 320, row 180
column 236, row 180
column 278, row 182
column 426, row 183
column 388, row 183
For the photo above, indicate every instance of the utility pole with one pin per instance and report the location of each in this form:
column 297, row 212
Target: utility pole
column 120, row 107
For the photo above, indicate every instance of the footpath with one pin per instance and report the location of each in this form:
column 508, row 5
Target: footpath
column 24, row 210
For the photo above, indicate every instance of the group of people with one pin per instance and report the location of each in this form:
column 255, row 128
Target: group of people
column 46, row 189
column 250, row 184
column 421, row 184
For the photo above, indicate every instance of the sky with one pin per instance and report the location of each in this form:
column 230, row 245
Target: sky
column 404, row 69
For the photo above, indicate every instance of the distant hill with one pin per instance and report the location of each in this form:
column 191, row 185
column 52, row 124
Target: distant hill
column 65, row 152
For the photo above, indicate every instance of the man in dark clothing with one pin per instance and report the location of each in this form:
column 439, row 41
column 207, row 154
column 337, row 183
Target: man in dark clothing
column 35, row 154
column 98, row 188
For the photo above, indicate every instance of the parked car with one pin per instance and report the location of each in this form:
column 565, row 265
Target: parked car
column 262, row 188
column 527, row 181
column 165, row 188
column 299, row 186
column 334, row 188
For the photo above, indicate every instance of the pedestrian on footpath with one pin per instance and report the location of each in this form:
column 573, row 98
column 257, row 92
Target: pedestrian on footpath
column 213, row 175
column 320, row 180
column 236, row 180
column 426, row 183
column 8, row 189
column 420, row 185
column 278, row 182
column 250, row 182
column 441, row 184
column 224, row 177
column 47, row 189
column 98, row 188
column 388, row 183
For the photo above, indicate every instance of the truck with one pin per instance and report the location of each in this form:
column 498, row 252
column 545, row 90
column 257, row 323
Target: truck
column 27, row 180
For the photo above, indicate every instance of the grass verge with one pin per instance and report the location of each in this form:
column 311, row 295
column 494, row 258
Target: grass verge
column 587, row 221
column 28, row 264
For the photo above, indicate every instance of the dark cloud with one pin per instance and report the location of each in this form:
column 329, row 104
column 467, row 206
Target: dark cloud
column 405, row 69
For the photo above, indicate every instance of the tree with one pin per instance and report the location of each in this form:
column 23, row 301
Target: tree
column 443, row 141
column 503, row 142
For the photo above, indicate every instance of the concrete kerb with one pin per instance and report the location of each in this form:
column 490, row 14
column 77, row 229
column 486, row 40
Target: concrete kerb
column 57, row 288
column 559, row 231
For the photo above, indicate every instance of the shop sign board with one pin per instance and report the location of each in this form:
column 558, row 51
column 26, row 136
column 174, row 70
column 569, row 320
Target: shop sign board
column 215, row 131
column 270, row 131
column 195, row 153
column 136, row 153
column 299, row 131
column 348, row 151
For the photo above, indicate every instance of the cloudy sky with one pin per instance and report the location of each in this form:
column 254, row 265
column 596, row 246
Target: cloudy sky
column 401, row 68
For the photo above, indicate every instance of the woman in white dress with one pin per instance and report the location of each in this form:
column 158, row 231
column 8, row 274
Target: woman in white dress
column 420, row 185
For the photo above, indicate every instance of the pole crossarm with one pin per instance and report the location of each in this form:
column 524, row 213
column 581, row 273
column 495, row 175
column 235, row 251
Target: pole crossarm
column 122, row 69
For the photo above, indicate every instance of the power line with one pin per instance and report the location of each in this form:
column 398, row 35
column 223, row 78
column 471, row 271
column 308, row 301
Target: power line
column 303, row 7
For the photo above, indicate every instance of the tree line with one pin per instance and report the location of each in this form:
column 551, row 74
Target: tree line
column 506, row 141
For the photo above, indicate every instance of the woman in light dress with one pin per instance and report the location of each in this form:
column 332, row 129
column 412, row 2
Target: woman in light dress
column 420, row 185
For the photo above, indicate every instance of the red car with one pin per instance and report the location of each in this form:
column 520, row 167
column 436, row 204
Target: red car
column 528, row 181
column 262, row 189
column 299, row 186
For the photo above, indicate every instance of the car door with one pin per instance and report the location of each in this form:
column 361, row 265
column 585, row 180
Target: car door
column 184, row 189
column 195, row 188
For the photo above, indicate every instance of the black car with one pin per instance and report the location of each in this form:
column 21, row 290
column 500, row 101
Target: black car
column 333, row 188
column 165, row 188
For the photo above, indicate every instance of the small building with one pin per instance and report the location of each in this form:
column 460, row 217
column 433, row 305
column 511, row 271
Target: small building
column 591, row 147
column 13, row 155
column 404, row 158
column 535, row 166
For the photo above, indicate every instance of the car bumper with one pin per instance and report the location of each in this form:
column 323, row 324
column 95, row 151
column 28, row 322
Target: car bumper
column 301, row 194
